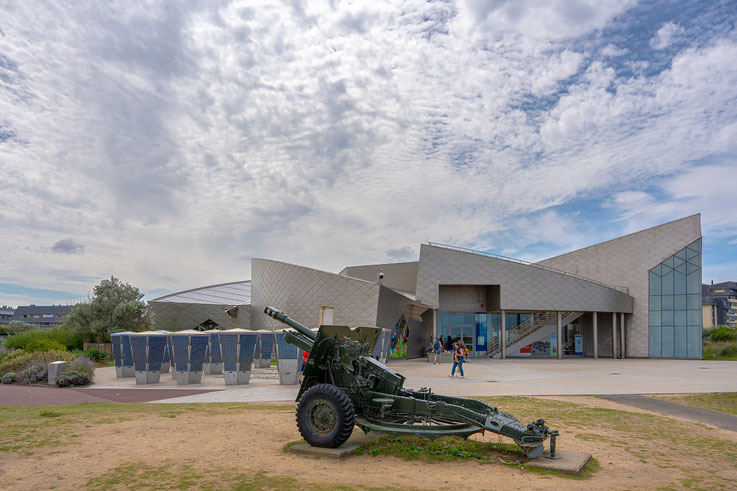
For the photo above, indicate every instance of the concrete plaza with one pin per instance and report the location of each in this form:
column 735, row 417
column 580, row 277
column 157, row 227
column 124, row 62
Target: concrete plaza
column 487, row 377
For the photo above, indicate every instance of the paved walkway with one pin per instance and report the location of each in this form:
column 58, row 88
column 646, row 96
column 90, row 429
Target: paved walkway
column 484, row 377
column 724, row 421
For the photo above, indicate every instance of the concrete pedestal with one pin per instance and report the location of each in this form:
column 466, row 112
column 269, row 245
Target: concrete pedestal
column 149, row 377
column 258, row 363
column 56, row 368
column 357, row 440
column 216, row 368
column 570, row 462
column 288, row 372
column 128, row 372
column 187, row 378
column 237, row 378
column 165, row 367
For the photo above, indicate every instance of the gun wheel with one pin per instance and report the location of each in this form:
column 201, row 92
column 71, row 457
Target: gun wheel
column 325, row 416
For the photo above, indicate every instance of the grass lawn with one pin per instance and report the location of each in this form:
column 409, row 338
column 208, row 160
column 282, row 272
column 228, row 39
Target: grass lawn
column 241, row 446
column 725, row 402
column 724, row 351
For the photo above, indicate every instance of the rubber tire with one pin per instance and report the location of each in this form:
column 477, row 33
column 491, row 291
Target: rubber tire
column 345, row 415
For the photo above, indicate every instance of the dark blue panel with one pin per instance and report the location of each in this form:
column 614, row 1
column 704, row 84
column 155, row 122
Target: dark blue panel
column 379, row 345
column 125, row 342
column 117, row 353
column 170, row 350
column 229, row 350
column 248, row 344
column 138, row 350
column 215, row 350
column 267, row 345
column 156, row 347
column 284, row 350
column 165, row 358
column 180, row 345
column 197, row 352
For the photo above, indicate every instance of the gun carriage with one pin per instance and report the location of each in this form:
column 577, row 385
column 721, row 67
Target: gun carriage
column 344, row 386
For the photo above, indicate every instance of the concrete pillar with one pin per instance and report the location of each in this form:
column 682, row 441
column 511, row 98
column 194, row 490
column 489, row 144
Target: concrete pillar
column 622, row 334
column 55, row 369
column 560, row 336
column 614, row 334
column 434, row 324
column 503, row 335
column 596, row 335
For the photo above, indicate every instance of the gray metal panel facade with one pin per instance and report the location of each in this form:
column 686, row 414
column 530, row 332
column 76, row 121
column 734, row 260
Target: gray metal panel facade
column 300, row 292
column 235, row 293
column 522, row 287
column 400, row 276
column 176, row 316
column 626, row 261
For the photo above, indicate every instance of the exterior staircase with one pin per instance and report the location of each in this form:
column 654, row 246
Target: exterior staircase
column 524, row 332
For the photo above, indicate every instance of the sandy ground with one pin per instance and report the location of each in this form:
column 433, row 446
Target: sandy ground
column 253, row 440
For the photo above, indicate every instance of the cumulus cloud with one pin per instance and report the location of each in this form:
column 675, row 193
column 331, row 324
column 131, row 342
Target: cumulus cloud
column 208, row 133
column 665, row 35
column 67, row 246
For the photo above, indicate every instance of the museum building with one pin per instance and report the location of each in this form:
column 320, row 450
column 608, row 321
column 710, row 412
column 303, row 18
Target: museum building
column 638, row 295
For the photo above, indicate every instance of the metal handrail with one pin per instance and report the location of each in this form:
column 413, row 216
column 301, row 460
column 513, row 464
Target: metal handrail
column 622, row 289
column 531, row 325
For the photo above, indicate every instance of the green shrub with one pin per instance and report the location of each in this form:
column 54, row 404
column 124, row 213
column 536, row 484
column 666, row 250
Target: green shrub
column 69, row 379
column 34, row 374
column 42, row 344
column 18, row 362
column 84, row 365
column 722, row 333
column 60, row 335
column 95, row 355
column 9, row 378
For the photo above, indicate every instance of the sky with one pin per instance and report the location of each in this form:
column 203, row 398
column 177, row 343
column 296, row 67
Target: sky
column 168, row 143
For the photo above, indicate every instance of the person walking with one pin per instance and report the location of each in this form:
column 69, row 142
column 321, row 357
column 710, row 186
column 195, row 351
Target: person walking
column 438, row 350
column 457, row 360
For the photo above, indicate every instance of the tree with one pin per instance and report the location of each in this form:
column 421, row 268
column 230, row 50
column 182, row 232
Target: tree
column 113, row 307
column 17, row 327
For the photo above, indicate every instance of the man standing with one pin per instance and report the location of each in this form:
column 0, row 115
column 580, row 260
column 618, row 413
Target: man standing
column 457, row 360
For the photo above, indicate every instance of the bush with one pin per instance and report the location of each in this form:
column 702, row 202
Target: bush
column 722, row 333
column 69, row 379
column 34, row 374
column 42, row 344
column 84, row 365
column 9, row 378
column 60, row 335
column 19, row 360
column 95, row 355
column 17, row 327
column 3, row 352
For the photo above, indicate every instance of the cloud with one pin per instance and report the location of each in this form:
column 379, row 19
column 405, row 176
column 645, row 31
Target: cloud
column 666, row 35
column 405, row 253
column 67, row 246
column 206, row 134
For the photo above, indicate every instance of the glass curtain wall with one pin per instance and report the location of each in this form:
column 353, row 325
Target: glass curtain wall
column 675, row 305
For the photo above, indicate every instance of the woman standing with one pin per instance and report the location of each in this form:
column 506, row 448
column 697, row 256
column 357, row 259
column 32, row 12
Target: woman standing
column 437, row 349
column 457, row 360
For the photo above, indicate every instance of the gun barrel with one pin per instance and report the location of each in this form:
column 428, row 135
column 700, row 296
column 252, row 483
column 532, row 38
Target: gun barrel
column 284, row 318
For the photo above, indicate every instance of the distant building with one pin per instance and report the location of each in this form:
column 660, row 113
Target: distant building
column 719, row 303
column 41, row 315
column 6, row 314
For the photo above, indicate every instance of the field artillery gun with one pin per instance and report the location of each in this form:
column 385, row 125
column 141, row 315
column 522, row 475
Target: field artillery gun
column 344, row 386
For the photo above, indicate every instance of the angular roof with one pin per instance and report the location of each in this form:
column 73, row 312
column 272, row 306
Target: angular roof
column 234, row 293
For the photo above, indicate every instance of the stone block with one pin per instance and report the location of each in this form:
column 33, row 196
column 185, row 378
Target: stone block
column 56, row 368
column 237, row 378
column 357, row 440
column 569, row 462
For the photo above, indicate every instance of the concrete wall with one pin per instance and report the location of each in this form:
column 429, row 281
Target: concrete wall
column 625, row 261
column 178, row 316
column 300, row 292
column 400, row 276
column 522, row 287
